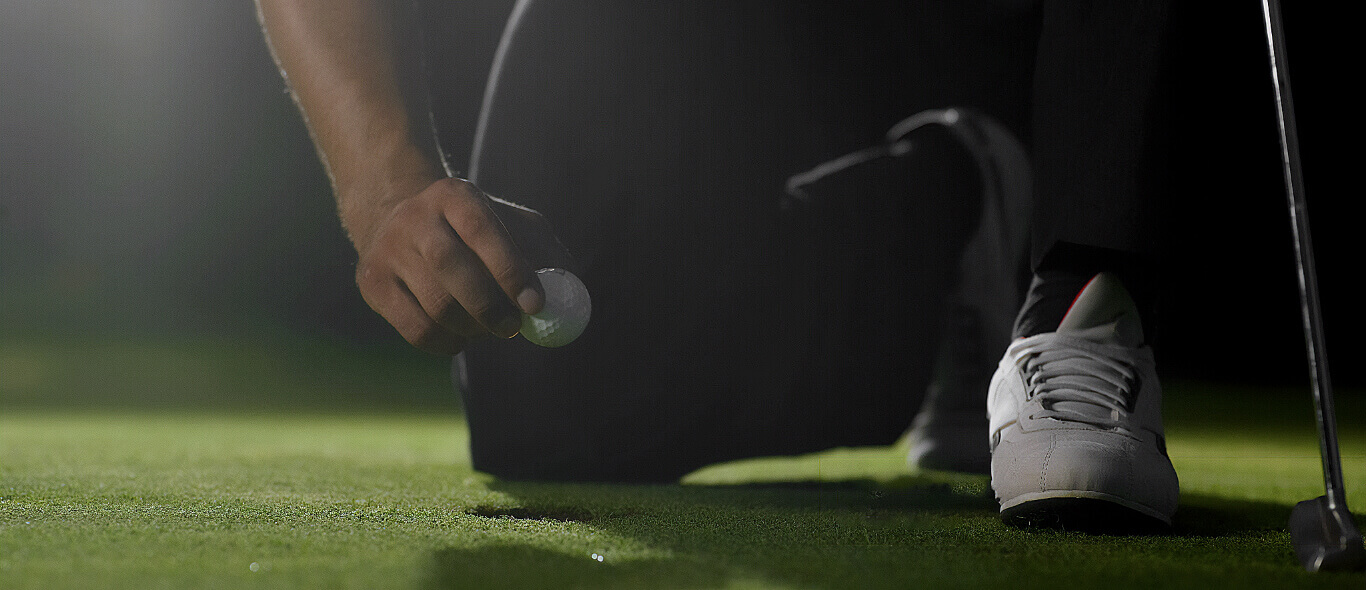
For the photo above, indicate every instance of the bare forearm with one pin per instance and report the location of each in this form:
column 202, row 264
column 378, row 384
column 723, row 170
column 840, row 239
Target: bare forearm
column 353, row 69
column 436, row 255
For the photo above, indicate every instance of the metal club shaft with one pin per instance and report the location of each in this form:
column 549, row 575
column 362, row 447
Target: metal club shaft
column 1304, row 256
column 1324, row 533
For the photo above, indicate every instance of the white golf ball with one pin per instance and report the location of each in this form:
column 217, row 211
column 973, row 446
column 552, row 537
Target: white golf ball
column 566, row 312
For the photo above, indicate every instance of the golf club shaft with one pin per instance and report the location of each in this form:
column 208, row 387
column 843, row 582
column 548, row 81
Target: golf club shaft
column 1304, row 256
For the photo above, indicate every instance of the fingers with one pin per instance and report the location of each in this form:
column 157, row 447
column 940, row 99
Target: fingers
column 386, row 294
column 439, row 302
column 443, row 269
column 453, row 286
column 469, row 214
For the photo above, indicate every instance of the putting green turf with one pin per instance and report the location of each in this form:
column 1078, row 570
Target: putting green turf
column 289, row 497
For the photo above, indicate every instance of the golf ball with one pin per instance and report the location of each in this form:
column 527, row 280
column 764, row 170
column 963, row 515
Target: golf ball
column 566, row 312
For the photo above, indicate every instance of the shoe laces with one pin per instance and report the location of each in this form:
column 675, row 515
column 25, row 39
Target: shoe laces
column 1075, row 384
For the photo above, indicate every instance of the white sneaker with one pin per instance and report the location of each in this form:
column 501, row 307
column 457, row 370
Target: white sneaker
column 1076, row 424
column 947, row 431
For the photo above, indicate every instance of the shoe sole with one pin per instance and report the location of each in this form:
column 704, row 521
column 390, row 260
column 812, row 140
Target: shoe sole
column 1094, row 512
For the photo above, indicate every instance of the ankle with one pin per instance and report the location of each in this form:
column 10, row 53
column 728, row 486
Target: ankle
column 1067, row 269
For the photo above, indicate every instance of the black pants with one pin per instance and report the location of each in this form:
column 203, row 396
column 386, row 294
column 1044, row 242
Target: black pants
column 657, row 136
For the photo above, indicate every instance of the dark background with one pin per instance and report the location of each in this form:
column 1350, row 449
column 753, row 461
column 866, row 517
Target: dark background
column 156, row 181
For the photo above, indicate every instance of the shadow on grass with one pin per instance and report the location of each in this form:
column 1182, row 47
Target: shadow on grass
column 518, row 566
column 1200, row 515
column 1203, row 515
column 820, row 535
column 712, row 535
column 910, row 494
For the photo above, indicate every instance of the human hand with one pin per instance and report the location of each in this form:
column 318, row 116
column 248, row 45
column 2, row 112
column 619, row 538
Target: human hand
column 451, row 264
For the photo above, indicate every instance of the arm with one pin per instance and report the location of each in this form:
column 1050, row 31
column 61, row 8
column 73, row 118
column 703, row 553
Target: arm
column 435, row 259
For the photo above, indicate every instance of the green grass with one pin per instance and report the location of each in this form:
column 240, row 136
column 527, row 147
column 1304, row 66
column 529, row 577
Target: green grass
column 255, row 494
column 265, row 374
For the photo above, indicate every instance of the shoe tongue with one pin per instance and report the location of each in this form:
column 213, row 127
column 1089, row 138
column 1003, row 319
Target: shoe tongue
column 1104, row 312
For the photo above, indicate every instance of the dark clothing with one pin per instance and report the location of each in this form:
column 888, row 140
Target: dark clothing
column 1099, row 125
column 657, row 136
